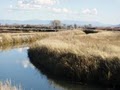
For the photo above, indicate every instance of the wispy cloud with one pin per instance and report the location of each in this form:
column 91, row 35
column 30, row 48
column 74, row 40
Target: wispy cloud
column 29, row 5
column 34, row 4
column 93, row 11
column 38, row 2
column 52, row 7
column 61, row 10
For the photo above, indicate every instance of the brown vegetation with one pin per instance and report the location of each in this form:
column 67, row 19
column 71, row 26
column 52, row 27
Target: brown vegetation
column 14, row 38
column 75, row 56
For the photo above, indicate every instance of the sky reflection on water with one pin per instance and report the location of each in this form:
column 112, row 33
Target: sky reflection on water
column 16, row 67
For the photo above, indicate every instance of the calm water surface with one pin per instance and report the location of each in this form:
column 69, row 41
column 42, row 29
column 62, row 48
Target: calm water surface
column 16, row 67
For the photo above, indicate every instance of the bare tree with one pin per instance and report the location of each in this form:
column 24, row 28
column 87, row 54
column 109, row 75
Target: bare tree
column 75, row 26
column 56, row 24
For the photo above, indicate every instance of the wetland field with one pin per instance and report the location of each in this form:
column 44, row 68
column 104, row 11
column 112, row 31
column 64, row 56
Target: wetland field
column 63, row 60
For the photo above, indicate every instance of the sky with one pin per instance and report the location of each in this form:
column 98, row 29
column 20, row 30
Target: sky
column 104, row 11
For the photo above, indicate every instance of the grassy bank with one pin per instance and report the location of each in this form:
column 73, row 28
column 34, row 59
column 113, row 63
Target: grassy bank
column 14, row 38
column 80, row 57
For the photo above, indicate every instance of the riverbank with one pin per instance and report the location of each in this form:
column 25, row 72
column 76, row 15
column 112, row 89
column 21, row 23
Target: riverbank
column 15, row 38
column 80, row 57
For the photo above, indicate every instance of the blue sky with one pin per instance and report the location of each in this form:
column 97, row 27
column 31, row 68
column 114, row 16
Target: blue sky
column 105, row 11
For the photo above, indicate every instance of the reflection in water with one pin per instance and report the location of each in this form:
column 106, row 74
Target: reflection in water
column 22, row 49
column 27, row 64
column 16, row 67
column 12, row 46
column 65, row 85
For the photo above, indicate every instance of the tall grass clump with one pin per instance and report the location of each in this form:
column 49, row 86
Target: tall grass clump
column 6, row 38
column 80, row 57
column 7, row 86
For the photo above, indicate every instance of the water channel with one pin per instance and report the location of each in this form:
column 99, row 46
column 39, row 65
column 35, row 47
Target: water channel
column 16, row 67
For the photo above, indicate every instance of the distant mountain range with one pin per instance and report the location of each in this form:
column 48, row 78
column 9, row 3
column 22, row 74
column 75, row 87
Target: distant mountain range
column 25, row 22
column 93, row 23
column 68, row 22
column 117, row 25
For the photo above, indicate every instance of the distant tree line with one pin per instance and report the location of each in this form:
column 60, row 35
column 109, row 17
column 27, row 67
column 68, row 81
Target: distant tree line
column 53, row 25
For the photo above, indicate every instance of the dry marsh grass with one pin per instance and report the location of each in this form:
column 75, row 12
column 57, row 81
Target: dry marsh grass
column 7, row 86
column 14, row 38
column 76, row 56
